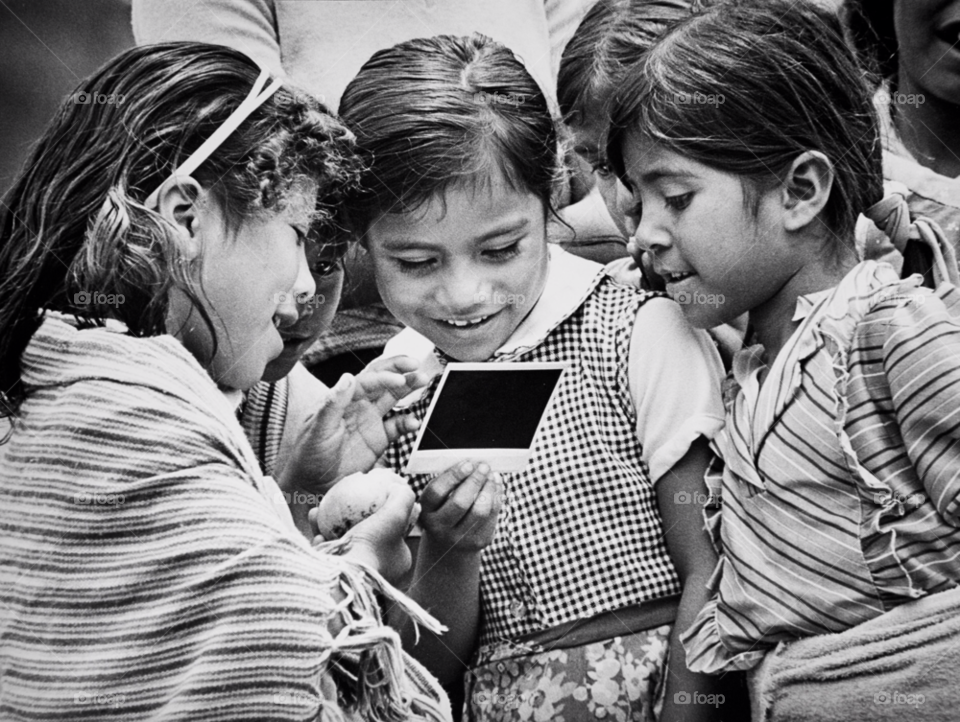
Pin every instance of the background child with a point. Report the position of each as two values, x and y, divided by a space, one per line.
907 46
840 447
613 36
149 256
596 539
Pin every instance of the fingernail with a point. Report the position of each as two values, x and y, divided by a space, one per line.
484 468
466 467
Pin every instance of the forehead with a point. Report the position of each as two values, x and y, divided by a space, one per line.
470 206
646 160
589 131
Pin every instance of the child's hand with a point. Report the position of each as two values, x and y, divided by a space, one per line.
460 508
380 540
348 433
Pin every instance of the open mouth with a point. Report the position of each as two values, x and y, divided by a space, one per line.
676 277
464 322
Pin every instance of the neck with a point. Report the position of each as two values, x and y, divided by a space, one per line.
773 321
930 130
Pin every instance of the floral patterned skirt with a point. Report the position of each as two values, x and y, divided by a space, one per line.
618 679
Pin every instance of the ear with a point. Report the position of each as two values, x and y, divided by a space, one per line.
806 189
179 201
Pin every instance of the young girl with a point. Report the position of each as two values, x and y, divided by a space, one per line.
150 256
562 607
840 447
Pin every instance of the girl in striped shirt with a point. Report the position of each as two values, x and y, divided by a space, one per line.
150 254
750 143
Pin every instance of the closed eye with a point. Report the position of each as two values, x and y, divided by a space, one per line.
678 203
504 252
414 265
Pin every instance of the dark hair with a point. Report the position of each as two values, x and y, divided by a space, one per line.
74 221
873 35
781 80
613 35
431 112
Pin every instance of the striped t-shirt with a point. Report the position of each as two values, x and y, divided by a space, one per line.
841 471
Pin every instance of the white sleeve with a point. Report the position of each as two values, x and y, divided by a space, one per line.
674 373
246 25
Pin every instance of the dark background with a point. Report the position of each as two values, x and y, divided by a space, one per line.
46 48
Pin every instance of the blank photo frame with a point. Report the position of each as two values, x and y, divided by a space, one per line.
485 412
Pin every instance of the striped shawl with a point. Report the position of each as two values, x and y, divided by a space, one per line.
149 571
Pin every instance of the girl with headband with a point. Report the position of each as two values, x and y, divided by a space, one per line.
151 254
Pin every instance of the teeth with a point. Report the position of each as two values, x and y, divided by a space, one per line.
677 276
465 322
276 322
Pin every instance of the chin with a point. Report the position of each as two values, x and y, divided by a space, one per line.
280 367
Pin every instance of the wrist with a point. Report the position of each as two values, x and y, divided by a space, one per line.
440 553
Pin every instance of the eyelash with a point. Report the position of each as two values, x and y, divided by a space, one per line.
678 203
602 169
413 266
504 253
322 270
497 255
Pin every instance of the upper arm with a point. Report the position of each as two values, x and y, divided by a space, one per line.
246 25
921 360
674 376
681 494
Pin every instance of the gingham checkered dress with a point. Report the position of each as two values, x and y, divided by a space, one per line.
580 532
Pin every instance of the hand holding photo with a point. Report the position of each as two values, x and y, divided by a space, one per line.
485 412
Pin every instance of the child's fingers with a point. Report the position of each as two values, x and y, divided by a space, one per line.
400 425
437 491
396 364
487 502
461 500
328 417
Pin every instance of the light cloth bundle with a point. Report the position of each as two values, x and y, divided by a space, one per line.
900 665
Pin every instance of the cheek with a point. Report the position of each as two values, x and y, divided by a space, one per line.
396 289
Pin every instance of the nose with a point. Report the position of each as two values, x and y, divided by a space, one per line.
465 288
650 233
298 303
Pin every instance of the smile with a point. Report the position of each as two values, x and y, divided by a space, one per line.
675 277
464 323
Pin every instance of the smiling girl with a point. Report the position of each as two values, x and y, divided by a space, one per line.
564 607
842 457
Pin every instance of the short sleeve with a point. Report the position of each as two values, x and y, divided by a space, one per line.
674 375
246 25
921 349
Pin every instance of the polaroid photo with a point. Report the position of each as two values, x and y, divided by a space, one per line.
485 412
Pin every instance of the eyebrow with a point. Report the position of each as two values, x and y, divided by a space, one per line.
655 174
586 149
414 244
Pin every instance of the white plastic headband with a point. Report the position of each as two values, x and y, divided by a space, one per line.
255 98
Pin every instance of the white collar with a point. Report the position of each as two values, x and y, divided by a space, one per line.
570 280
